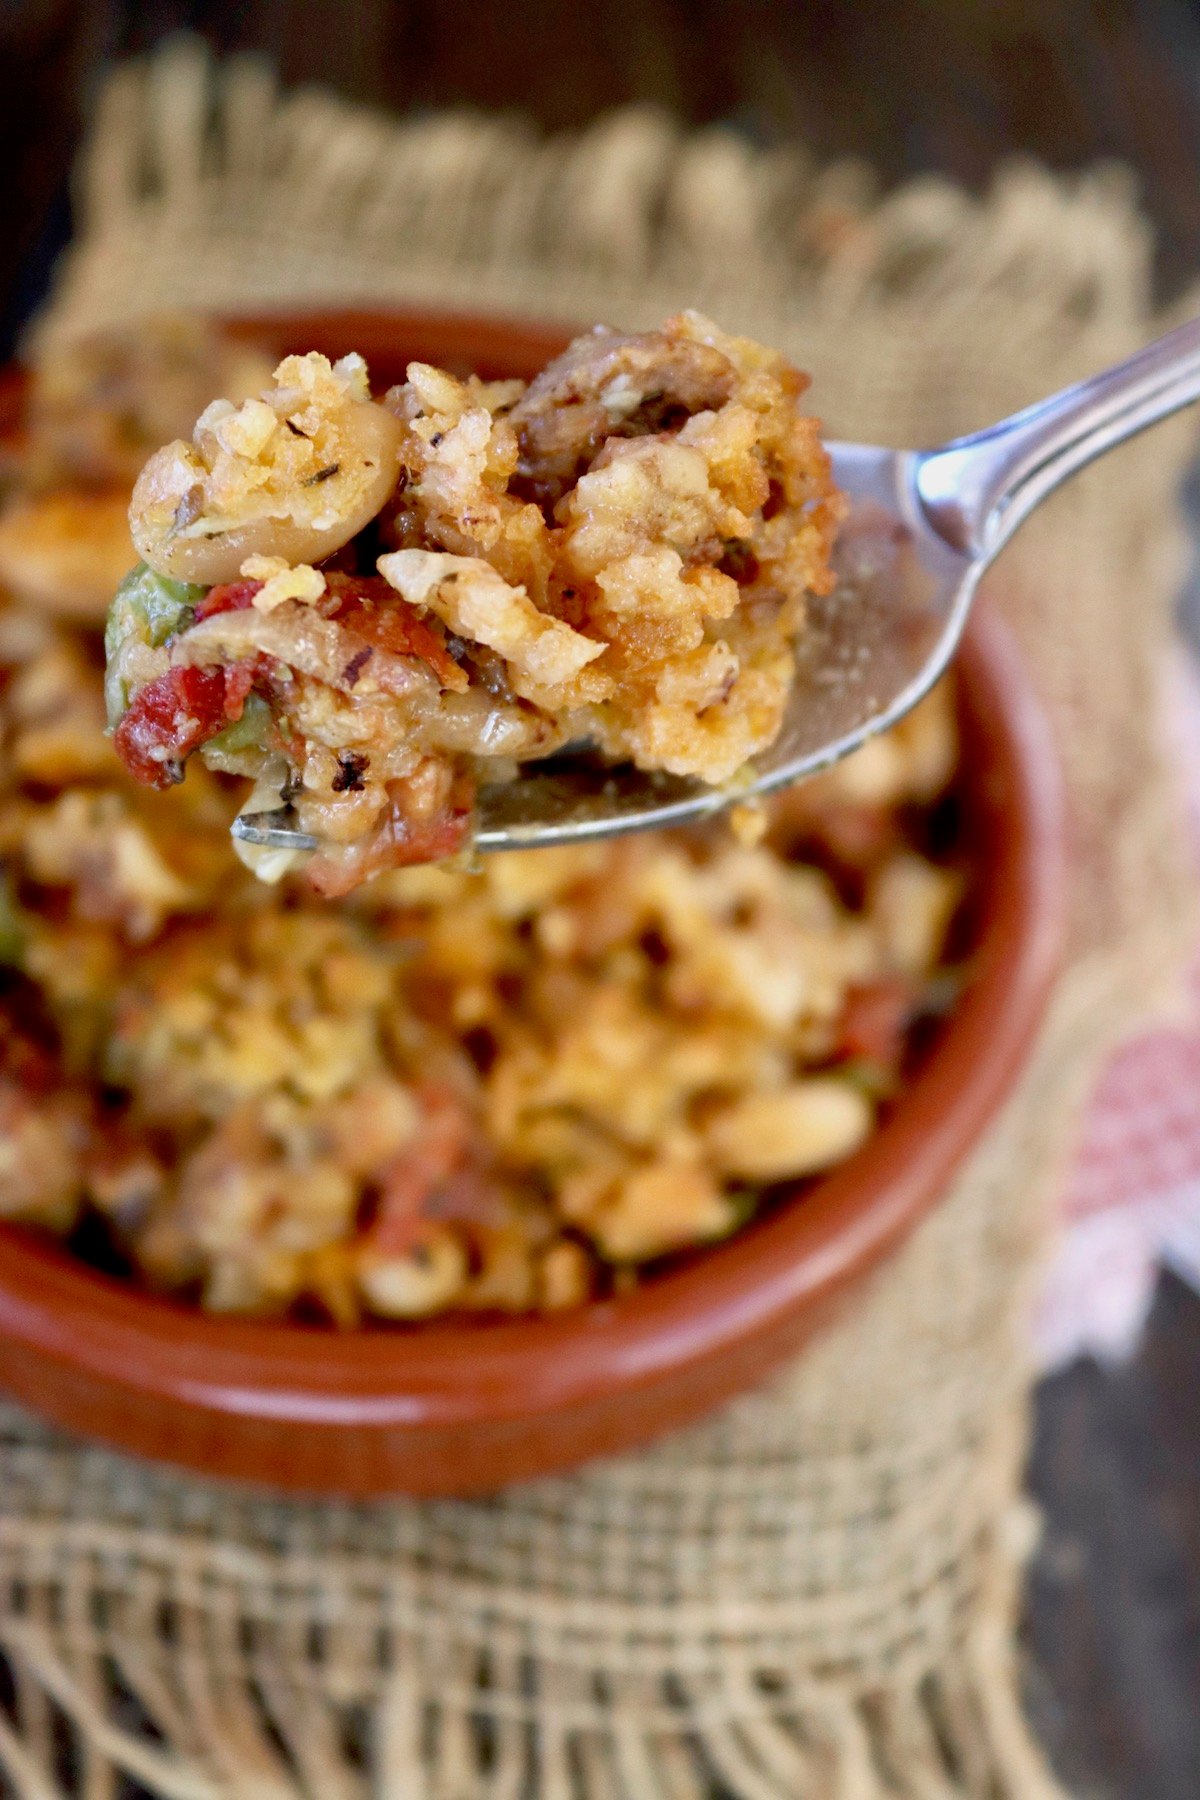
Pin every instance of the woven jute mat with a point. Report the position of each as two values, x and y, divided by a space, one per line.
815 1593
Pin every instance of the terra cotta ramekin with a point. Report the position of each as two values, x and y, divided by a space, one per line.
454 1407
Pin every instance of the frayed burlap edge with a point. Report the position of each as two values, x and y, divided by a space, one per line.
815 1593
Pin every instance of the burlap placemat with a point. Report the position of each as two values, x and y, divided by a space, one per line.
814 1594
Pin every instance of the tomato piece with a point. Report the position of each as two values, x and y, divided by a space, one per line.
423 1168
432 840
374 611
227 596
173 715
31 1065
396 845
874 1021
239 679
402 839
364 604
855 834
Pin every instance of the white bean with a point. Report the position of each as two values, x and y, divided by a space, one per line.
295 474
911 905
663 1206
794 1131
428 1278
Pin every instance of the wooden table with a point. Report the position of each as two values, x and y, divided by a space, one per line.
1113 1626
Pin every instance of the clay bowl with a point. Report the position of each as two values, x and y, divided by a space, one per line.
452 1407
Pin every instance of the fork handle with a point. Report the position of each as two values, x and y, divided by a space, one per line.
976 490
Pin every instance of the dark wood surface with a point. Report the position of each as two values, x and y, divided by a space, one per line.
1113 1625
1113 1617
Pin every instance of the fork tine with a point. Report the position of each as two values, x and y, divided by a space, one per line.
270 831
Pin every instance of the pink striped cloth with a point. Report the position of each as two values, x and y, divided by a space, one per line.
1132 1202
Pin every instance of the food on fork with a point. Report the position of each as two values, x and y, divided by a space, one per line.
367 607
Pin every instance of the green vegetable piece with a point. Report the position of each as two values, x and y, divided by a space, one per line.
744 1203
148 609
247 733
874 1080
